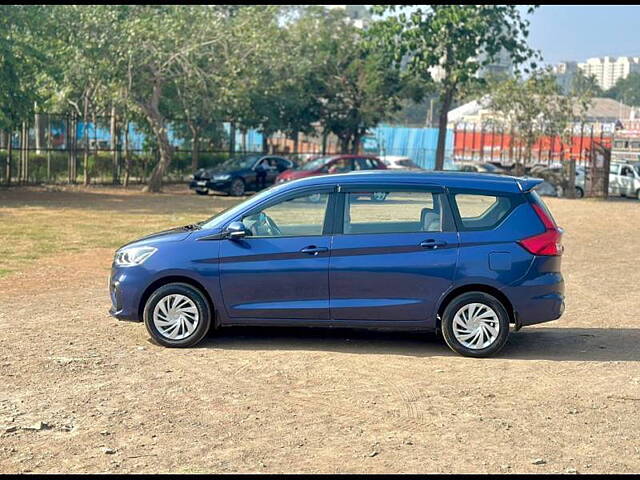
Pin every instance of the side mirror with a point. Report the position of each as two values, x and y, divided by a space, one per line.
236 231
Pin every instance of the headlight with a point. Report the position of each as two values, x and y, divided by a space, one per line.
130 257
222 177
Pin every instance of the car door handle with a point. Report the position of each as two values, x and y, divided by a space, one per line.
432 244
313 250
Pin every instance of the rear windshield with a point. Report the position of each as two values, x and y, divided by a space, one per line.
482 211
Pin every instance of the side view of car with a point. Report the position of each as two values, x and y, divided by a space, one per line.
624 180
467 255
333 164
474 167
397 162
240 174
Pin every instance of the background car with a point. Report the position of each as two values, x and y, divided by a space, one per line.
333 164
398 162
240 174
485 167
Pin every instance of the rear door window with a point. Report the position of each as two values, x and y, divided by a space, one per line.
392 211
482 211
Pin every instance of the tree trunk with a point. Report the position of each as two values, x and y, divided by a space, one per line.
296 142
195 148
9 157
157 122
25 152
114 145
85 135
265 143
49 147
232 139
571 184
39 132
443 119
344 144
325 137
127 155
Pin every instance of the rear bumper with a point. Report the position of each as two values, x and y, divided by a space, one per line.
537 300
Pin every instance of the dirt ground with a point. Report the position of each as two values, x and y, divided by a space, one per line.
82 392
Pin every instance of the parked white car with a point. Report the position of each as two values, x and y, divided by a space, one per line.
624 180
397 162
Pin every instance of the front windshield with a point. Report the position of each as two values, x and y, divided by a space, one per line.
240 162
315 164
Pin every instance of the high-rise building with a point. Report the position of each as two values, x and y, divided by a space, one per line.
565 72
608 70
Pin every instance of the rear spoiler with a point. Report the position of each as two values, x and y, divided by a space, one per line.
526 184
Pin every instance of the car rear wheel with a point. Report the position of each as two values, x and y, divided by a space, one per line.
237 188
475 324
202 191
579 192
177 315
638 194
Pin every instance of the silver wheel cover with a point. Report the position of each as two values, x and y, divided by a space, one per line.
175 316
476 326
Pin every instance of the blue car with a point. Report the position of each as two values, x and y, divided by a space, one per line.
464 254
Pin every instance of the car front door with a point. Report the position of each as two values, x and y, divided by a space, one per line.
279 270
394 258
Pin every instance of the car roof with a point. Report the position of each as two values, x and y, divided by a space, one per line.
451 179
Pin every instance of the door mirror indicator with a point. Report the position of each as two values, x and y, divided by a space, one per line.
236 231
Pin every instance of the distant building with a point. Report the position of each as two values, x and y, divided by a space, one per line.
601 110
358 15
501 65
608 70
565 72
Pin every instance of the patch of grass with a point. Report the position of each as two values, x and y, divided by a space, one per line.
36 224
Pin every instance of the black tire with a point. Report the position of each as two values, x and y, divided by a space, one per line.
237 187
204 314
475 297
202 192
579 192
638 194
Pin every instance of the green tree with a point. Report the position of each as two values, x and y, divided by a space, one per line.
456 41
626 90
534 106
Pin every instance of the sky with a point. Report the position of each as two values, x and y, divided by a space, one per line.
578 32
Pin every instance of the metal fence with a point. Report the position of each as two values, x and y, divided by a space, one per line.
484 143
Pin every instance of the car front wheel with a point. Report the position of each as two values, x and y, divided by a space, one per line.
237 188
579 192
475 324
202 191
177 315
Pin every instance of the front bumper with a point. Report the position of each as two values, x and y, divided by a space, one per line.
217 185
126 288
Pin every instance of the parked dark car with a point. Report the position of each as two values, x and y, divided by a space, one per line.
240 174
464 254
333 164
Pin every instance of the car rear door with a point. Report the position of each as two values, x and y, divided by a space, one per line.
391 260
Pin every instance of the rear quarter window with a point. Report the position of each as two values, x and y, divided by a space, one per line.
483 211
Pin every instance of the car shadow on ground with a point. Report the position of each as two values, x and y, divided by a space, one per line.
539 343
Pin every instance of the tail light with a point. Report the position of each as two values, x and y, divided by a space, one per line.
547 243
